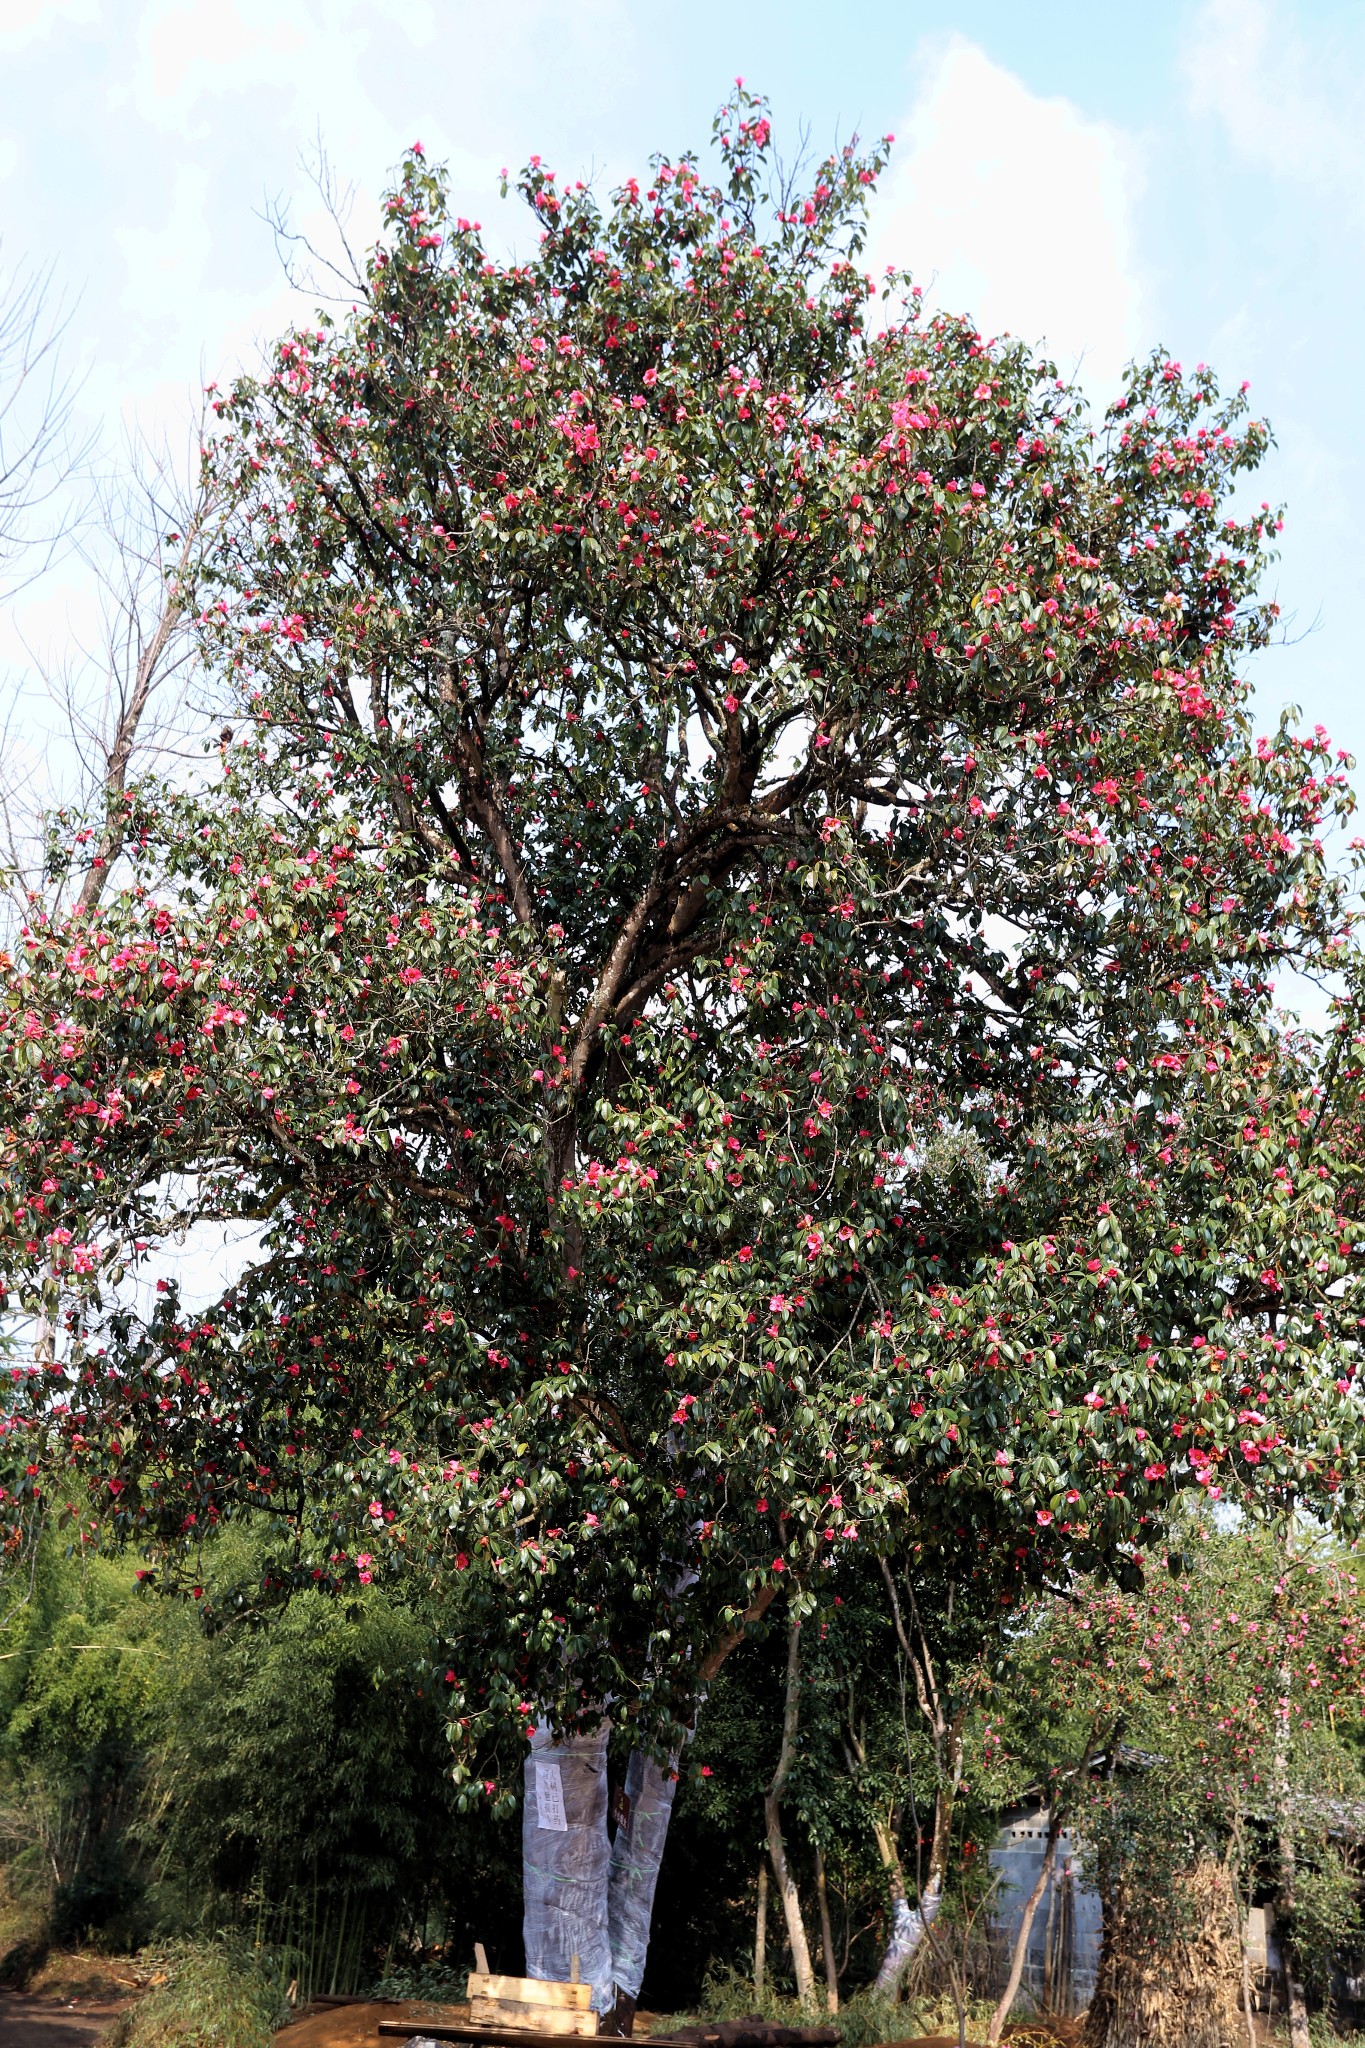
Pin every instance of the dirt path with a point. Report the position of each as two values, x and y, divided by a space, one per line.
346 2026
38 2023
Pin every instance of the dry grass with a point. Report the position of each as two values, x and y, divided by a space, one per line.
1180 1987
90 1979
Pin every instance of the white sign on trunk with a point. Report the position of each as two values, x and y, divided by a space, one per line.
550 1798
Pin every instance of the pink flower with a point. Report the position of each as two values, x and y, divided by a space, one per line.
1043 1517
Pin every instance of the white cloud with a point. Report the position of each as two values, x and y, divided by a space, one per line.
1295 110
24 21
194 46
1018 210
192 53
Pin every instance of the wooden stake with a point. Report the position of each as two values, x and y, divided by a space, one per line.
481 1959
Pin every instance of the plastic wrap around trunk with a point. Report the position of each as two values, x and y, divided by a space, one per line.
636 1855
583 1895
909 1925
566 1860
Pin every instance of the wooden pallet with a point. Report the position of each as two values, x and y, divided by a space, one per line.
518 2010
529 2005
522 2011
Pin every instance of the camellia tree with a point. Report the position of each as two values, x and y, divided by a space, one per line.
725 964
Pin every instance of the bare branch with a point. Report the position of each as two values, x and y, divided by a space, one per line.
307 267
118 697
153 656
38 449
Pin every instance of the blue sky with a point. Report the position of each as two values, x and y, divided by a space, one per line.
1101 177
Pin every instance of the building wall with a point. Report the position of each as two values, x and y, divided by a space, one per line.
1068 1924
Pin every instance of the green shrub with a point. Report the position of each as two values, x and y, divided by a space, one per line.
1326 1916
429 1983
216 1997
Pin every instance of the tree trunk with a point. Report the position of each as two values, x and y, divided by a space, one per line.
826 1935
1021 1939
902 1939
1248 2004
581 1893
910 1926
1294 2003
761 1931
884 1833
772 1810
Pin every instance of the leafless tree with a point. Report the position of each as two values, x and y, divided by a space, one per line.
40 449
115 699
317 273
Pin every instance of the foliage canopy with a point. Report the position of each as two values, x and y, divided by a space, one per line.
728 963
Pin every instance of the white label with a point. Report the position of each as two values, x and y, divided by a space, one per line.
550 1798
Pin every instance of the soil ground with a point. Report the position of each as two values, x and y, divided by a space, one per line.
341 2026
27 2022
356 2026
75 1997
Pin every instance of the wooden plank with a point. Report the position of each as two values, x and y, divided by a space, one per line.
527 1990
465 2030
544 2019
515 2012
530 1991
